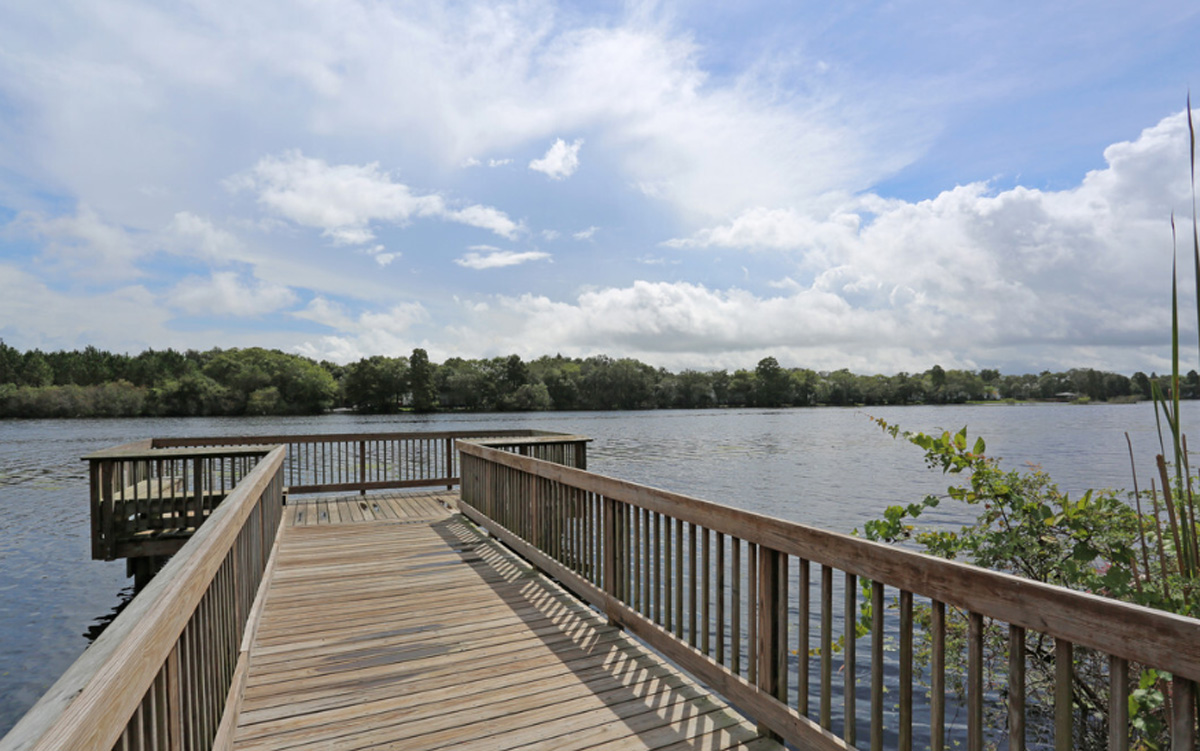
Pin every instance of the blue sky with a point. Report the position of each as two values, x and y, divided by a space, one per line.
879 186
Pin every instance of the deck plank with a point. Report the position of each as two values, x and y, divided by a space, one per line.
401 625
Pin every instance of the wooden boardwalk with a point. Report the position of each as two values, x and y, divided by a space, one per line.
392 622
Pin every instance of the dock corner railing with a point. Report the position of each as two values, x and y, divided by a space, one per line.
160 675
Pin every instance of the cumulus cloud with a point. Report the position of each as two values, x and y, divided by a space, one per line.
586 234
560 161
343 200
200 235
361 334
494 258
226 294
970 278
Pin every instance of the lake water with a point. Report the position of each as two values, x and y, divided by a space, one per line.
828 467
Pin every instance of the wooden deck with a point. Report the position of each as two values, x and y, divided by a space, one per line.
392 622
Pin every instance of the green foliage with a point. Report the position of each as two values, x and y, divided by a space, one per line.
1026 526
376 384
383 384
421 382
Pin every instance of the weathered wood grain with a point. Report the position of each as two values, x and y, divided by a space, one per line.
416 631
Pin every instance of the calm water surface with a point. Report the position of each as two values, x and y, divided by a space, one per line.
828 467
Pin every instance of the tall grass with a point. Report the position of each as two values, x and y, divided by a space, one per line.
1177 546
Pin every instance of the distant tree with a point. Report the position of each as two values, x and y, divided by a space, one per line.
989 375
741 388
10 364
465 384
35 371
421 381
772 384
376 384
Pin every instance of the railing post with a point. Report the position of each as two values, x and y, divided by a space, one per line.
362 467
450 464
770 678
609 551
1183 714
535 516
198 494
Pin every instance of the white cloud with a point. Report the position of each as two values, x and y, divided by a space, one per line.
343 200
499 162
550 234
486 217
586 234
85 244
225 294
494 258
560 160
200 235
969 278
34 315
367 333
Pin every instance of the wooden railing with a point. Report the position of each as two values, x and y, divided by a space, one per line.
764 611
146 502
161 674
330 463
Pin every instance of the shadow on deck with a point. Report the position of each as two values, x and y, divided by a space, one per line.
392 622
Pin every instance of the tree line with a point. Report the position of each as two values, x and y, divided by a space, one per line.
256 381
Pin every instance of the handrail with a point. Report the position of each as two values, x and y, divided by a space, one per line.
157 678
341 462
710 587
145 502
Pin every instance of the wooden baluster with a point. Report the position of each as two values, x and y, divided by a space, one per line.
826 647
659 583
668 572
906 670
848 671
1064 711
974 682
804 637
937 677
720 595
1183 714
679 579
1118 704
877 666
751 612
1016 688
705 588
692 586
735 606
649 545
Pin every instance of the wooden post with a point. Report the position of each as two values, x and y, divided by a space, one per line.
1064 710
450 464
609 552
769 679
362 467
1183 714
